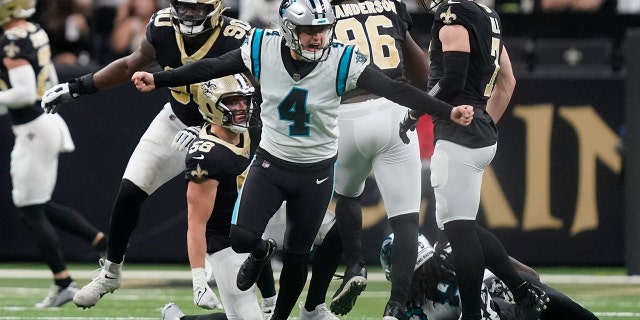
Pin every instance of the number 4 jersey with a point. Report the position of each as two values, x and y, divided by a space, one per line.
299 111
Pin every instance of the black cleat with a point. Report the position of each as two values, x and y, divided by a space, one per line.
532 305
251 268
394 311
353 283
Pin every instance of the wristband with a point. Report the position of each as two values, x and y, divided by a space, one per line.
82 85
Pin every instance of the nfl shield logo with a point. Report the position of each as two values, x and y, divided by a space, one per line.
266 164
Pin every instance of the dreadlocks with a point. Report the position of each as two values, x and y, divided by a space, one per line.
438 269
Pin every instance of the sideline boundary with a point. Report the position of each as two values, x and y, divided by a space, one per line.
374 276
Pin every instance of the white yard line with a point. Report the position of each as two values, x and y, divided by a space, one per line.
374 276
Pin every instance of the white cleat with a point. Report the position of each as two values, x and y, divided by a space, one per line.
108 280
268 306
320 313
170 311
58 296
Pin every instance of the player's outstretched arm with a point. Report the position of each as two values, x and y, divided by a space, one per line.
115 73
376 82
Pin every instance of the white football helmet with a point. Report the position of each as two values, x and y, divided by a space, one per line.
16 9
193 17
295 14
211 98
425 251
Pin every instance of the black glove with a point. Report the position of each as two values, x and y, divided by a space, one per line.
409 123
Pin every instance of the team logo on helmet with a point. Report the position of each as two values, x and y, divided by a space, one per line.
311 16
211 101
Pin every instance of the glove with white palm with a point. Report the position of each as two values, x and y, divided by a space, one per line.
55 97
203 296
184 137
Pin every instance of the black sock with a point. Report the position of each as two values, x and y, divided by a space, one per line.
498 262
70 221
292 280
45 236
405 230
124 219
63 283
469 262
265 283
349 222
326 258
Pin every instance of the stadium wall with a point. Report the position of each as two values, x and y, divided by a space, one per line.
554 193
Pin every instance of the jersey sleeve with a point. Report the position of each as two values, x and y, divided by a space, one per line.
201 165
251 49
456 13
352 63
17 45
157 24
404 14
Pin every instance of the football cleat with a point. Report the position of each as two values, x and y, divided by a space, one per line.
108 280
170 311
319 313
268 306
251 268
353 283
530 308
394 311
58 296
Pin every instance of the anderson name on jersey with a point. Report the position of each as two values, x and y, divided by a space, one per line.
378 28
210 157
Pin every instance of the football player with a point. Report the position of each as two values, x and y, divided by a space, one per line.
302 73
470 65
26 72
187 31
368 140
216 162
216 165
435 294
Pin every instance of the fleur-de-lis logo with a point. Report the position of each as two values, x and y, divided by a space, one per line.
198 173
11 50
448 17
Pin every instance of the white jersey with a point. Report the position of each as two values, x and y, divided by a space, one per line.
299 116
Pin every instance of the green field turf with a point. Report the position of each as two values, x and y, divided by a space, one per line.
143 298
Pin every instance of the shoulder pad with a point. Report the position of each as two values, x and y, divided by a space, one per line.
455 12
16 33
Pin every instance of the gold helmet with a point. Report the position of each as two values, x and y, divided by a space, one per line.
214 93
16 9
193 17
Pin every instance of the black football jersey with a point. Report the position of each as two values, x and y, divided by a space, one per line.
210 157
483 25
170 54
29 42
379 29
